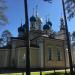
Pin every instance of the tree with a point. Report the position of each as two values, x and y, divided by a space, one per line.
3 18
50 1
70 8
73 36
27 39
6 37
1 43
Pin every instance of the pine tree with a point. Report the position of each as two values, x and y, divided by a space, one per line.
3 18
6 35
50 1
70 8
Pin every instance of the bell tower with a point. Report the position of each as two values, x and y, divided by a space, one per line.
62 32
62 26
32 22
47 28
20 31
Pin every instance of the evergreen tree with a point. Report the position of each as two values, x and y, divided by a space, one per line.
73 38
3 18
1 43
50 1
70 8
6 35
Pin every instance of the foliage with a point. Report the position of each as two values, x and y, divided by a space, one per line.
6 37
73 36
50 1
70 8
3 18
6 33
1 43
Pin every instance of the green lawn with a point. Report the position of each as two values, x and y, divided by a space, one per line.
58 72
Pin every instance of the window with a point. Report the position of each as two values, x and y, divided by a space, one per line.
49 54
58 54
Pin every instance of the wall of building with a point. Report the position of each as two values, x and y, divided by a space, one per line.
4 57
73 55
54 44
34 57
38 56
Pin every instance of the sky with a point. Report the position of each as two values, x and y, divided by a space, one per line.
16 14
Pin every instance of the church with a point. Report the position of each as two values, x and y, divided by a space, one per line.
47 48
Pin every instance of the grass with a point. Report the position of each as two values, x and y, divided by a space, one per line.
36 73
57 72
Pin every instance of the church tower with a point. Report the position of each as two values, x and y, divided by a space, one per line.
62 26
32 22
35 21
62 33
38 20
47 28
20 31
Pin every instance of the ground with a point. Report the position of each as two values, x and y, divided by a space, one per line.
61 72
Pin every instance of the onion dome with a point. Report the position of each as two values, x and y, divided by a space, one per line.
20 28
46 27
49 23
62 21
32 19
24 27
